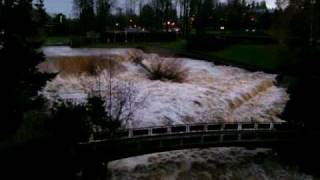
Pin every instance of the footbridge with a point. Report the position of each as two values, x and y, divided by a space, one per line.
132 142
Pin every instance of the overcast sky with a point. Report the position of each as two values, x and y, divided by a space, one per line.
65 6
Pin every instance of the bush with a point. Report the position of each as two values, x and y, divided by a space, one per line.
33 127
70 123
83 120
168 70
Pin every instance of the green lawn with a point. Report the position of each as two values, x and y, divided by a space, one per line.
270 57
57 40
264 57
180 44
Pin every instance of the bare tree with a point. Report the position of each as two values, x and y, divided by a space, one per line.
130 6
120 98
281 4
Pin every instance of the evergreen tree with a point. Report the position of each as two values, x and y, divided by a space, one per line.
84 10
103 14
205 16
20 42
147 16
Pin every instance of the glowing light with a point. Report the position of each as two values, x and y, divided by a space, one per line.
222 28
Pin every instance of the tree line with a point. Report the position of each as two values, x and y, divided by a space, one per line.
165 15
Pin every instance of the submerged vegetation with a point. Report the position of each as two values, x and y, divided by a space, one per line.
168 70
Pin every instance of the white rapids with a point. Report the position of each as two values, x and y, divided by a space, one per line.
210 92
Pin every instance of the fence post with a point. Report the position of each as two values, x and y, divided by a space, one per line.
206 128
271 126
130 133
221 138
187 128
169 130
222 127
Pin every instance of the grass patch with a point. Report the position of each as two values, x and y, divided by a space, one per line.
271 57
175 45
261 57
57 40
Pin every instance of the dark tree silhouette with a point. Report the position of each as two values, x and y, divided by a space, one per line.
147 16
103 8
205 16
20 42
84 10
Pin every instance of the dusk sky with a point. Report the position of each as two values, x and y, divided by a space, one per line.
65 6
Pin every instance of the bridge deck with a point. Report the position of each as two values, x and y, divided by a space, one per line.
157 139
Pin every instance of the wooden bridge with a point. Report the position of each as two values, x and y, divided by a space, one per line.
132 142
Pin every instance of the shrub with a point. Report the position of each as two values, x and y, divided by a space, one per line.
83 120
168 70
69 123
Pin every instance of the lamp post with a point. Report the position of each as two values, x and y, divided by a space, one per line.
167 25
312 3
116 25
